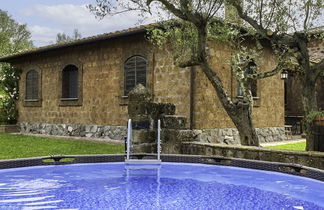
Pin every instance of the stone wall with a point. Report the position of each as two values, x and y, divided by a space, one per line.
316 50
103 102
231 136
294 106
268 110
227 136
79 130
311 159
172 139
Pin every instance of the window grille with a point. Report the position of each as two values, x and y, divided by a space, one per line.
135 72
32 85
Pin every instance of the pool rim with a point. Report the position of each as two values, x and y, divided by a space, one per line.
287 168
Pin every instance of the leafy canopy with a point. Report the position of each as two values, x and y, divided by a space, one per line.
13 36
60 38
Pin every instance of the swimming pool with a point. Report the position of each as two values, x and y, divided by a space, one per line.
169 186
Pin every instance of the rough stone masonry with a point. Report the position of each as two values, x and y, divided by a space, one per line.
145 113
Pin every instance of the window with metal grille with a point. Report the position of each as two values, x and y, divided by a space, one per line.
252 84
32 85
70 82
135 72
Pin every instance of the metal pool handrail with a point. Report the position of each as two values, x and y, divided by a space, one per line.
129 145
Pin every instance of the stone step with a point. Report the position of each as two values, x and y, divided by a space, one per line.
165 108
144 148
143 136
173 122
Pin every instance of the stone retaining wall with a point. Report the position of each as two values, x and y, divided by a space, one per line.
95 131
227 136
9 129
311 159
231 136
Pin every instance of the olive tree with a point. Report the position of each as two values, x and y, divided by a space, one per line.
289 25
197 24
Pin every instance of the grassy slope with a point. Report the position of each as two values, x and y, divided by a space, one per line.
296 146
21 146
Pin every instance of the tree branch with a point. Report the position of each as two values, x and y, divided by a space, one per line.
284 63
247 18
170 7
307 11
263 75
189 63
278 39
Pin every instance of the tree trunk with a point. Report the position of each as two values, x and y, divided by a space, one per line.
308 79
309 105
242 119
241 113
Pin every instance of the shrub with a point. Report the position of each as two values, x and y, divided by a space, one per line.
8 111
9 77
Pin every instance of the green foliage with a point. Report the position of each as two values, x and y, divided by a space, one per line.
181 35
241 62
9 77
220 31
60 38
13 36
317 34
309 118
282 16
22 146
8 111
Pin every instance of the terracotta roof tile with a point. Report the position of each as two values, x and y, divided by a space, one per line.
85 40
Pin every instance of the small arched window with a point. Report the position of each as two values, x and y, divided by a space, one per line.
252 84
32 85
135 72
70 82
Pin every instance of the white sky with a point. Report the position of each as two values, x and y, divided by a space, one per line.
46 18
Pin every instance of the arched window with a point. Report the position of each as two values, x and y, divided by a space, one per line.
135 72
32 85
252 84
70 82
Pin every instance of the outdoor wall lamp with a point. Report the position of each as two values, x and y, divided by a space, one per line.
284 75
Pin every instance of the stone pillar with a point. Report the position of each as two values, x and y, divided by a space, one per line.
139 110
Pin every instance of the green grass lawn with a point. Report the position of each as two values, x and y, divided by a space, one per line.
22 146
296 146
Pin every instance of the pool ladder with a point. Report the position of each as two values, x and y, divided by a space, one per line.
143 161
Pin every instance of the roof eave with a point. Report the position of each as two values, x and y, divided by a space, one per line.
70 44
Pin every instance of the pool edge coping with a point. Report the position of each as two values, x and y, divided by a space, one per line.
287 168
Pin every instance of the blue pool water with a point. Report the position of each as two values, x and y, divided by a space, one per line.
172 186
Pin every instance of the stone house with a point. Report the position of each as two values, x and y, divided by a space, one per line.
294 112
80 88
